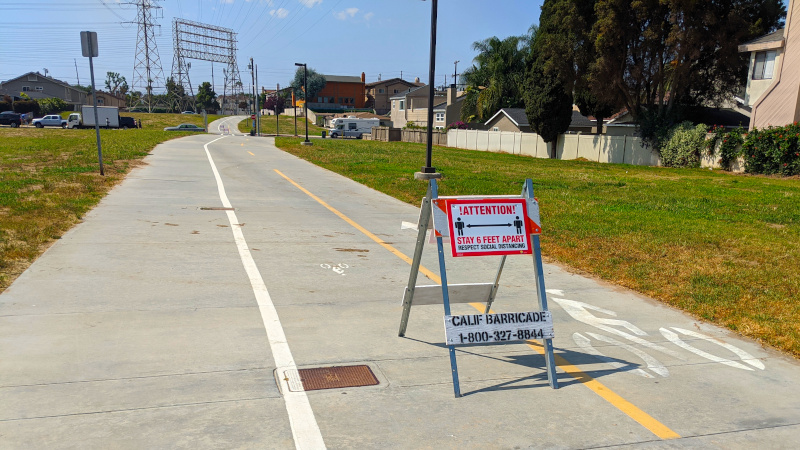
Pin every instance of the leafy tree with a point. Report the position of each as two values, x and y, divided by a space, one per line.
116 83
52 105
314 82
176 97
206 97
654 56
132 98
275 103
494 80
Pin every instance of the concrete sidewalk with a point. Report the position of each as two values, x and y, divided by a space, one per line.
141 328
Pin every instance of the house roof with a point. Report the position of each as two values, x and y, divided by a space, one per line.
516 115
342 79
403 94
767 42
442 106
520 119
579 120
717 116
67 85
390 81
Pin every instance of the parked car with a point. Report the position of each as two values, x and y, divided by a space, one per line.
188 112
52 120
127 122
185 127
10 118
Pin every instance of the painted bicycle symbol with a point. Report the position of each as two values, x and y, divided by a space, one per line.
584 312
338 268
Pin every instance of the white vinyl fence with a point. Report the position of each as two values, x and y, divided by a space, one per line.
600 148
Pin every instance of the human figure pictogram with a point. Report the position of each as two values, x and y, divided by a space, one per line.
459 226
518 223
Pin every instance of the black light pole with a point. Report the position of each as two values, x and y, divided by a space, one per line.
429 169
305 99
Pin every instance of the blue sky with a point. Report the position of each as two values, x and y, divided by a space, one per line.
336 37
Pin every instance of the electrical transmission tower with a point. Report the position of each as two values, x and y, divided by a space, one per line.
147 72
194 40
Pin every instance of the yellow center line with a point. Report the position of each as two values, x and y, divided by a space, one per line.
251 153
628 408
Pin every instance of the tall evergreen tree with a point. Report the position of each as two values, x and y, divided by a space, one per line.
568 52
547 97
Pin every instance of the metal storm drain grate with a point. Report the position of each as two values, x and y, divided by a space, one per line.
329 378
215 208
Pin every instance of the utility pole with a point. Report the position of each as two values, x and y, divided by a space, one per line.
76 71
455 75
258 105
277 120
253 77
224 89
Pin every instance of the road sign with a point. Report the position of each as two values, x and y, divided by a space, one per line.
499 327
488 226
89 44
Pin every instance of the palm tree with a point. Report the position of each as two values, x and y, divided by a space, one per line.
494 80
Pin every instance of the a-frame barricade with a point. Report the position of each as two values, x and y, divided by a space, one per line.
480 237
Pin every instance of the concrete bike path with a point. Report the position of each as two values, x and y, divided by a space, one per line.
142 327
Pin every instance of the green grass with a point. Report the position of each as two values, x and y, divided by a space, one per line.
723 247
268 126
49 178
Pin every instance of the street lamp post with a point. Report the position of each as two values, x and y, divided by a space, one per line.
429 171
305 99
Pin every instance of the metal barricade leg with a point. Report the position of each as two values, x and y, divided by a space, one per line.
408 296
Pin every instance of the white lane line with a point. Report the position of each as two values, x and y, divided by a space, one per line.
305 430
225 122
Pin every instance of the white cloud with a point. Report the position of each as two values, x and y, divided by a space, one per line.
369 15
310 3
280 13
343 15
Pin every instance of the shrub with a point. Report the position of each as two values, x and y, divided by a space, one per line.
52 105
458 125
26 106
683 147
774 150
730 145
410 125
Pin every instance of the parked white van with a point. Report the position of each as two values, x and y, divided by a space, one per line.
352 127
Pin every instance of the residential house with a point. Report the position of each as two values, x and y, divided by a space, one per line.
412 106
380 92
515 119
38 86
340 92
773 83
107 99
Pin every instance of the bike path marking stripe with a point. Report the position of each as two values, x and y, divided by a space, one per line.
305 429
644 419
628 408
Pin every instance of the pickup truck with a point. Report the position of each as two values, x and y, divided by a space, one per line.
53 120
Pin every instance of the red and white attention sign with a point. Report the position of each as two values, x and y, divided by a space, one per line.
480 227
